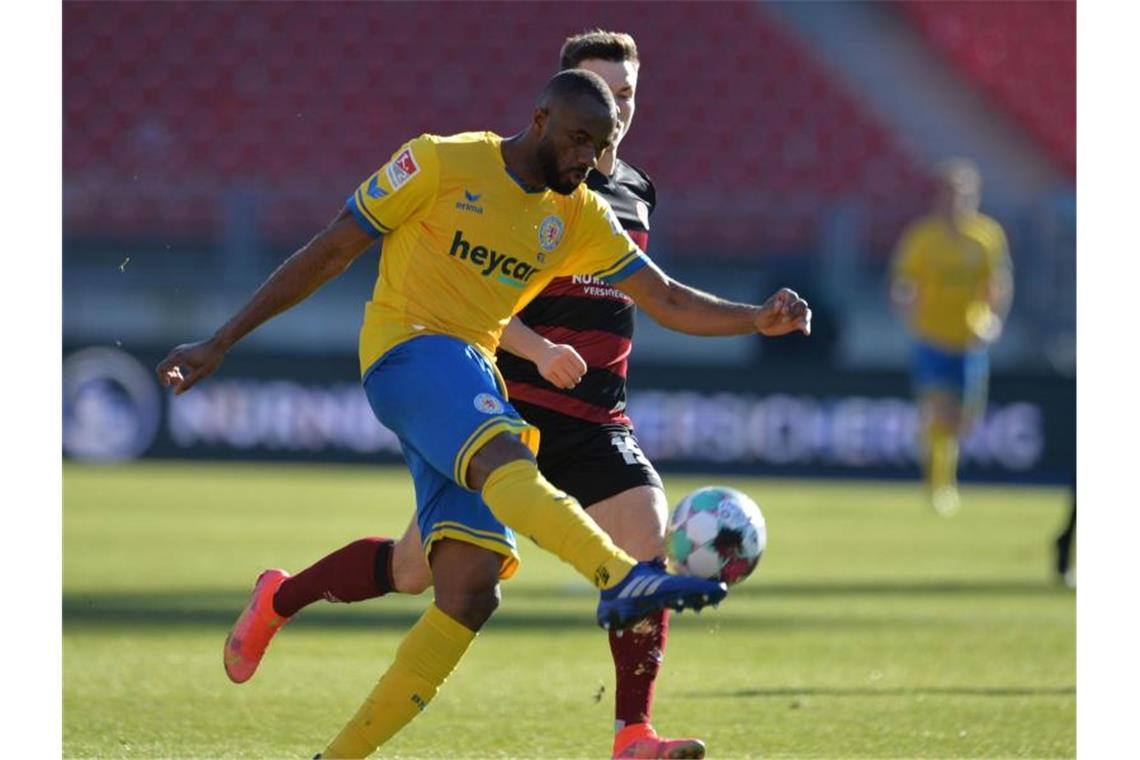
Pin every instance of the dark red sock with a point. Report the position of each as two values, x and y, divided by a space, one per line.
638 653
362 570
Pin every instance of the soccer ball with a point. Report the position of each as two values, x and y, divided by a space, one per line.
716 533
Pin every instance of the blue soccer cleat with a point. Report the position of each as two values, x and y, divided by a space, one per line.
649 588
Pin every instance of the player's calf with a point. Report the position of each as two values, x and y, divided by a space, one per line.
409 569
354 573
520 497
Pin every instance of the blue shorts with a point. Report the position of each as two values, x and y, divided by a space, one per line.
444 400
964 374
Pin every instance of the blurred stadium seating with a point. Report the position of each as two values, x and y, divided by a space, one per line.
295 102
1023 53
203 141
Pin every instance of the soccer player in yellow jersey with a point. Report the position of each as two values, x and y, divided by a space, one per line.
474 226
589 449
952 284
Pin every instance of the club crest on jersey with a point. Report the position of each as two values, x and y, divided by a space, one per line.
402 168
488 404
550 232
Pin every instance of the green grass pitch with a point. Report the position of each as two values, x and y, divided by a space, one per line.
872 628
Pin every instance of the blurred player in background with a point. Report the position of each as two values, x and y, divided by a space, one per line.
952 284
474 227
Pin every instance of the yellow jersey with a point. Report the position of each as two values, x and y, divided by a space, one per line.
951 274
466 245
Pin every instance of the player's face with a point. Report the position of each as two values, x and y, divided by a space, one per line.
955 197
621 76
572 137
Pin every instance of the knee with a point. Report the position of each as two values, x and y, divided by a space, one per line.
654 516
482 604
472 607
635 520
500 450
941 416
466 581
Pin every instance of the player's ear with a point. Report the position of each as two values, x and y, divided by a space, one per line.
540 119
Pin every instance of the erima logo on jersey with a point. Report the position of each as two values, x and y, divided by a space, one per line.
507 269
374 190
469 204
402 168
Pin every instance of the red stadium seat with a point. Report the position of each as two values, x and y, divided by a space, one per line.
1023 54
306 99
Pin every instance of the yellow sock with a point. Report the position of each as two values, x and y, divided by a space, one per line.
943 467
519 496
946 461
424 660
928 453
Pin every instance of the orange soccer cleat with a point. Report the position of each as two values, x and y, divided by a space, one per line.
247 640
640 740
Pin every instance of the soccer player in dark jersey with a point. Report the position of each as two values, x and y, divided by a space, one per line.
567 376
633 512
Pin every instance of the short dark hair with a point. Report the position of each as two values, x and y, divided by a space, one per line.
598 43
570 85
959 171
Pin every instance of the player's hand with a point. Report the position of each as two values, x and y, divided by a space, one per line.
561 366
983 323
783 313
993 330
187 364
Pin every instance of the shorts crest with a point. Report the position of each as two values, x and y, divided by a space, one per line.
488 404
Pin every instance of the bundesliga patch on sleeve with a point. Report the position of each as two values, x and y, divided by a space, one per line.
402 168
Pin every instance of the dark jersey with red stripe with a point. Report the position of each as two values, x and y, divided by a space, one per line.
593 317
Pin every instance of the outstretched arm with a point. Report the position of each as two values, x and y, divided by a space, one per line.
688 310
322 258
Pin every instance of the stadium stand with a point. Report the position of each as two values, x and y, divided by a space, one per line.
171 128
1024 54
